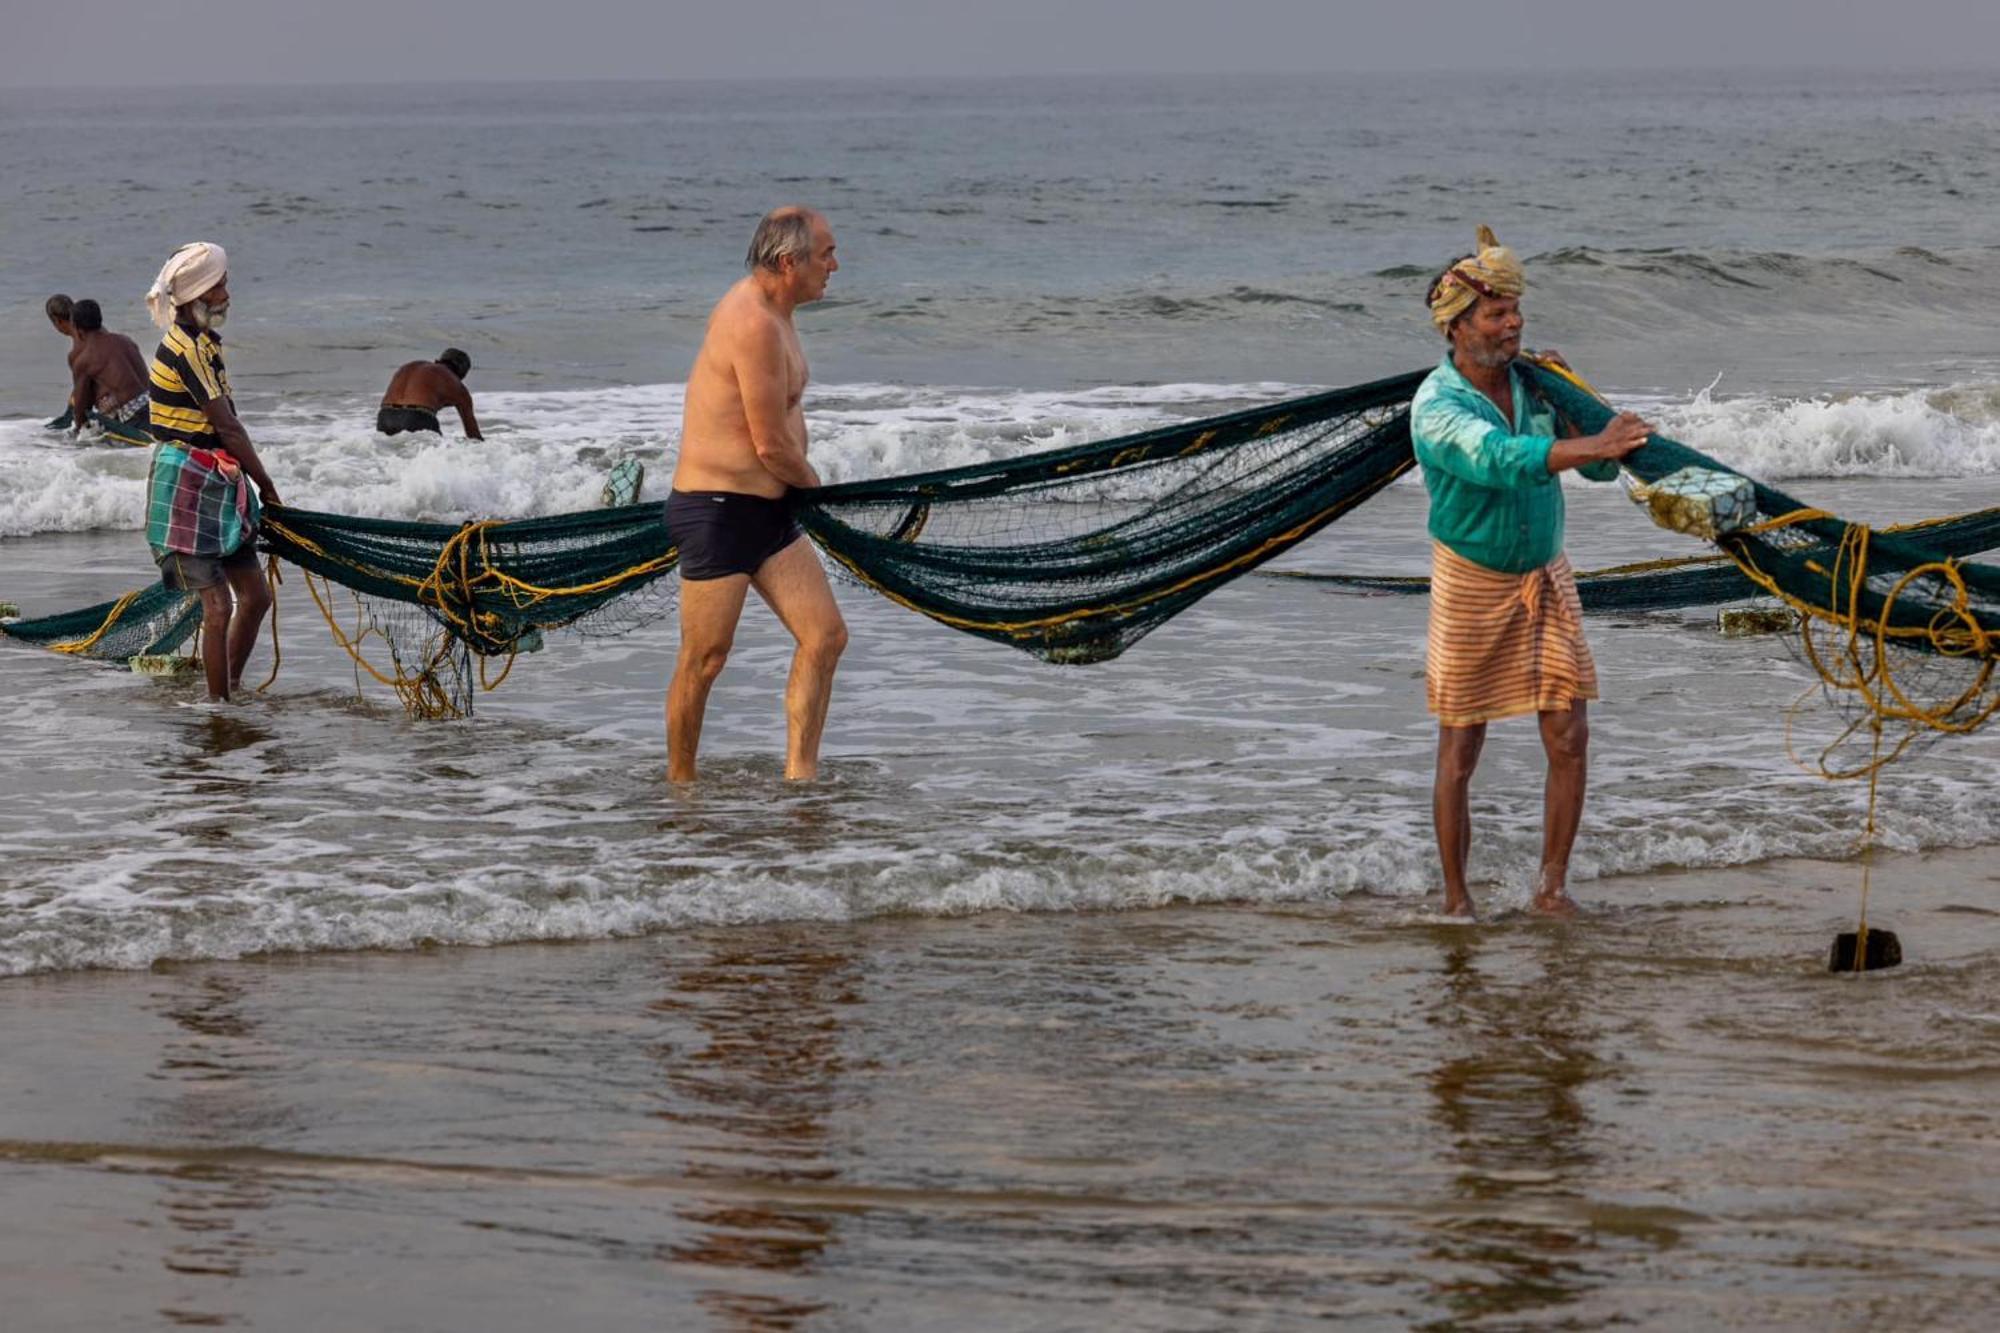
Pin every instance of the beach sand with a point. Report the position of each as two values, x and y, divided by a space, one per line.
1668 1114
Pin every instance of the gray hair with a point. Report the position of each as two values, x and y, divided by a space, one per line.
783 233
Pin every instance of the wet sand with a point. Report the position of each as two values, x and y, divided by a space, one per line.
1666 1115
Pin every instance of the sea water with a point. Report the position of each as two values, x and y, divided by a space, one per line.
1792 274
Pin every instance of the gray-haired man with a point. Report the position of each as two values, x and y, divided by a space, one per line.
743 448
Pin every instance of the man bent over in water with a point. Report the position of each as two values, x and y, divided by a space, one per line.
108 374
743 448
419 388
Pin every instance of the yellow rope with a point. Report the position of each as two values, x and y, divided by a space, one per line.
1862 664
271 580
464 569
1868 850
84 645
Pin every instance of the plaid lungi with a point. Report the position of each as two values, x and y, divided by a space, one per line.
198 502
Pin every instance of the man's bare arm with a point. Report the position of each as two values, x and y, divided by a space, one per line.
462 400
230 433
82 394
762 382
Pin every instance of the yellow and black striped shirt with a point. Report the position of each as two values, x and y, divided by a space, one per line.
187 374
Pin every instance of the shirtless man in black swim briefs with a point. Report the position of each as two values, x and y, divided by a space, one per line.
743 448
419 388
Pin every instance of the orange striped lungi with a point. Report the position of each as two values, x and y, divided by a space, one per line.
1504 644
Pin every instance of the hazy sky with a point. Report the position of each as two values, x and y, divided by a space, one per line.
81 42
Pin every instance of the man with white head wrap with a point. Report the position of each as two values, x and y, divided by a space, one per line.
189 274
201 514
1506 637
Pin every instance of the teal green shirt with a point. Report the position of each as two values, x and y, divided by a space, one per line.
1493 499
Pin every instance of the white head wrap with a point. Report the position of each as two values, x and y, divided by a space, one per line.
195 267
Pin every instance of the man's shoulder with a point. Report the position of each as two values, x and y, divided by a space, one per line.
439 379
180 340
1444 381
744 321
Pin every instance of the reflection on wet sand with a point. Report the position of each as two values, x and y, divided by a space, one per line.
213 1098
1511 1098
754 1103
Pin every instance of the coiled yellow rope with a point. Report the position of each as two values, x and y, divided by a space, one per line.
1862 664
465 568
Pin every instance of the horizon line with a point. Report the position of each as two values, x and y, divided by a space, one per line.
1371 72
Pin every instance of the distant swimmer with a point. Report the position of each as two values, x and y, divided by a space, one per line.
743 450
419 388
108 373
1506 627
201 514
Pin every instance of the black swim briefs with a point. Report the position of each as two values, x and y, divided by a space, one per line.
720 533
396 420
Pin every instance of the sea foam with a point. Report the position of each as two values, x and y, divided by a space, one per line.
546 452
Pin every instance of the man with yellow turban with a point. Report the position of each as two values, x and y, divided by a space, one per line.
1506 629
201 514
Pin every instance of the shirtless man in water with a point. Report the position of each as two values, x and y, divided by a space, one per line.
108 373
743 450
419 388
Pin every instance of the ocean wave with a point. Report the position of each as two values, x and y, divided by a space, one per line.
1925 433
546 452
332 899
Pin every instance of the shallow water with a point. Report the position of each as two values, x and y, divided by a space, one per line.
899 1049
1668 1115
1270 745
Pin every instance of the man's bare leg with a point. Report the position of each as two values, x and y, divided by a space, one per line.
710 609
1451 811
795 587
215 607
253 600
1566 741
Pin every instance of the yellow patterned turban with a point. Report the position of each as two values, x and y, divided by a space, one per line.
1494 271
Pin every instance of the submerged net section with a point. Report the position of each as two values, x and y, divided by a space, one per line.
1075 554
149 622
1684 581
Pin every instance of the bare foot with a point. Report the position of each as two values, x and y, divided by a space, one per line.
1557 904
1460 908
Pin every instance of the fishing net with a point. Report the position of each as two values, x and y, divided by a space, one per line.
1903 634
1075 554
1678 582
150 621
435 609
